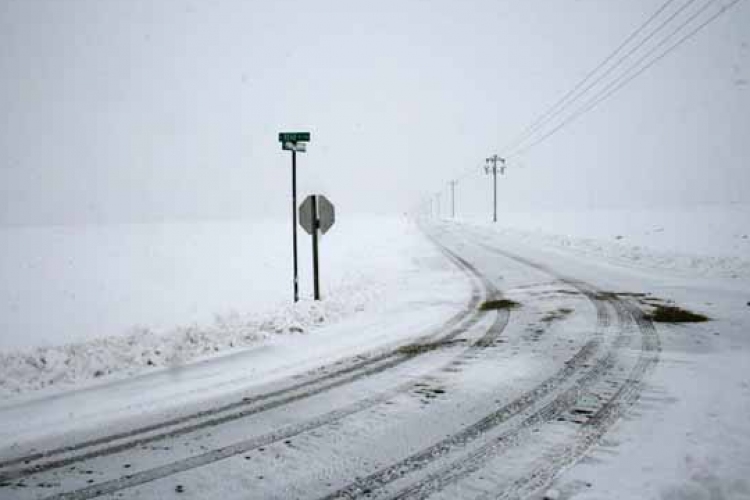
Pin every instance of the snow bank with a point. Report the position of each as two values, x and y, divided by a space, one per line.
144 348
708 240
83 303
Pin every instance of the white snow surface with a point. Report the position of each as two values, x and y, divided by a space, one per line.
83 302
703 240
687 438
102 302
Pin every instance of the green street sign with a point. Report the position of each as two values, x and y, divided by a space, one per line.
294 136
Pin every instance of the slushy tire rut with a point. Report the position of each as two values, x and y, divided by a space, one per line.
580 363
593 425
353 369
455 326
605 366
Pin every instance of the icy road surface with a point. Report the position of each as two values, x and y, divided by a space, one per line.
567 391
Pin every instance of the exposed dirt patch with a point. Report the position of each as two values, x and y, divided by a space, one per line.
427 393
556 315
662 311
493 305
653 300
617 295
414 349
674 314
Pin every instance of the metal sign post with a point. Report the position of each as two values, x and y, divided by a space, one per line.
315 225
316 213
294 141
294 223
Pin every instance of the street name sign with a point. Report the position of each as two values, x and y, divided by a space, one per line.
285 137
299 147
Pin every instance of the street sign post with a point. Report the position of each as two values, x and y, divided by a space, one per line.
316 213
294 142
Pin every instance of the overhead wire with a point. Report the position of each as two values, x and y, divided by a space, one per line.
625 77
545 117
566 100
633 71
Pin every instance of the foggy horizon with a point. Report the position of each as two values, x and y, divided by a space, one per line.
148 112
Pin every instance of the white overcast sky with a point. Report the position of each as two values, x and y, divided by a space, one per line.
142 110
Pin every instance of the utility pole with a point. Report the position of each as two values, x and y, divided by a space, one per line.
493 169
437 198
453 199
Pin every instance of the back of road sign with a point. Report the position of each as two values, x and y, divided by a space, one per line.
326 214
306 215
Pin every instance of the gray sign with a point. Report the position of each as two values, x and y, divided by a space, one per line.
326 214
306 215
299 147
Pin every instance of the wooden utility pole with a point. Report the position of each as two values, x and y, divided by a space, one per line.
493 160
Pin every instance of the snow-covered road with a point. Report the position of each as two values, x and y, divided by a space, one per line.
444 399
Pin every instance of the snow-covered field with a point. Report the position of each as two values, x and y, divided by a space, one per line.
84 302
703 240
90 306
89 302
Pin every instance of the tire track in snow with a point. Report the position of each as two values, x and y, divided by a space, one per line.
354 369
370 486
472 312
537 477
592 430
593 426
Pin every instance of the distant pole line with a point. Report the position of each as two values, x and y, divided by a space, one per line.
453 199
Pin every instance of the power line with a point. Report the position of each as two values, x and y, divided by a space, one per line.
565 101
622 59
626 77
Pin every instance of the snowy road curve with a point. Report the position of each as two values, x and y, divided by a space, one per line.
491 404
